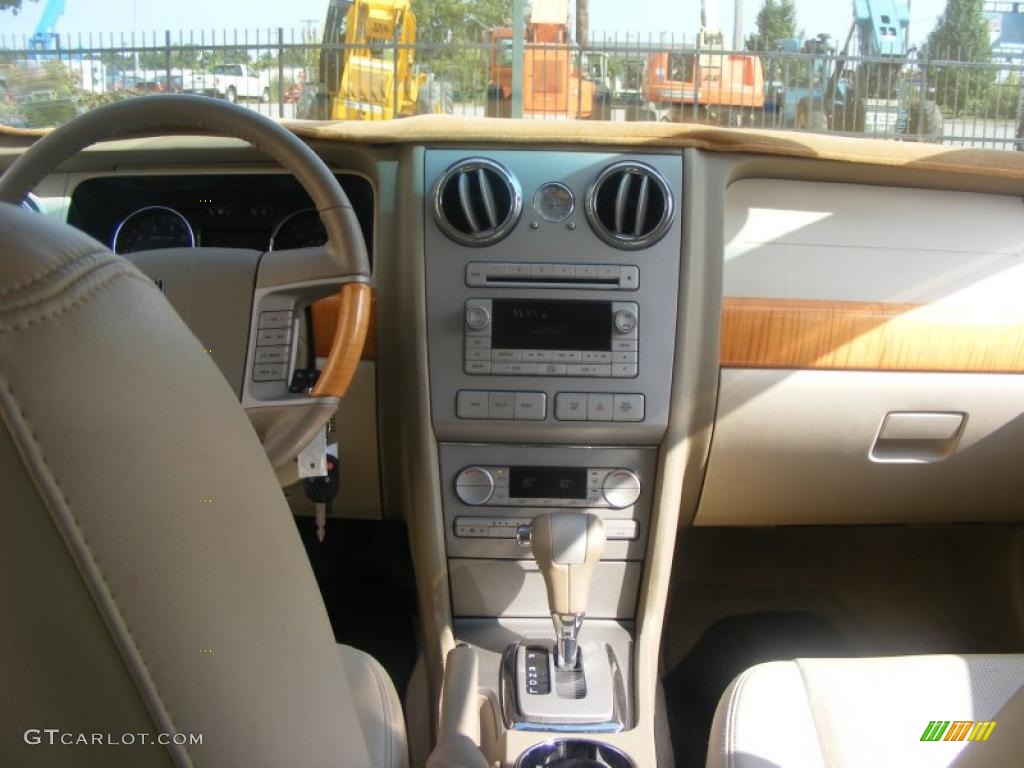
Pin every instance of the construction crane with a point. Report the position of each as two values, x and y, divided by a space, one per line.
45 38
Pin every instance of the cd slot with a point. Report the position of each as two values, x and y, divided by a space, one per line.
609 277
554 282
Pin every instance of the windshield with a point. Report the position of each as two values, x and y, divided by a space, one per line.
944 75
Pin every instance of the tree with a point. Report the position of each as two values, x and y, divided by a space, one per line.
961 35
775 21
13 5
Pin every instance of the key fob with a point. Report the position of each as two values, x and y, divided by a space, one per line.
322 490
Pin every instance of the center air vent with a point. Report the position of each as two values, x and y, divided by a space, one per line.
629 205
477 202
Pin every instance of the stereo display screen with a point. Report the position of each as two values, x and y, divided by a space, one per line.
568 325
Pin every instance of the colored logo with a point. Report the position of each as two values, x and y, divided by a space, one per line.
958 730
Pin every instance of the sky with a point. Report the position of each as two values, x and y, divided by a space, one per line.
612 17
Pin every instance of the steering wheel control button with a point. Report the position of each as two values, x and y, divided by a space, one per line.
271 337
269 372
471 404
272 354
628 408
279 319
474 486
621 488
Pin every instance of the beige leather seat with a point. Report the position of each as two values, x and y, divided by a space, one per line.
151 578
870 713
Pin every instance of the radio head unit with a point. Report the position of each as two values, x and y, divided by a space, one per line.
547 337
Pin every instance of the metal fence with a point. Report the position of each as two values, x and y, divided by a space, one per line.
294 73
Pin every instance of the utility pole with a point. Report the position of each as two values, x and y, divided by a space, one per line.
518 54
737 26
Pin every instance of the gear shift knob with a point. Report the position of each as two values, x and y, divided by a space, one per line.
567 546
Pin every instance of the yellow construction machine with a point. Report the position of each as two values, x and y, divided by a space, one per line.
368 64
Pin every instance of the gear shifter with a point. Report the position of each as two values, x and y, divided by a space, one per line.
567 546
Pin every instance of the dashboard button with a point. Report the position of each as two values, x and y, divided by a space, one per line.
518 270
282 319
478 354
530 406
514 369
478 366
501 405
599 407
585 271
507 355
624 357
269 372
621 488
630 278
537 356
571 406
551 369
628 408
568 356
471 404
272 354
273 336
597 357
625 345
624 370
587 369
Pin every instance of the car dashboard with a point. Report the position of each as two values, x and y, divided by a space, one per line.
667 332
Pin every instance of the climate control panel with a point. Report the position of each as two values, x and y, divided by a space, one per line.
574 487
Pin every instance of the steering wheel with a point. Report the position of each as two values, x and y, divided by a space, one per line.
278 284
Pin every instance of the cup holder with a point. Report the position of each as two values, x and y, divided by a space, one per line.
573 753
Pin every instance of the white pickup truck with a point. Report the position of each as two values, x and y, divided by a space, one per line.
233 82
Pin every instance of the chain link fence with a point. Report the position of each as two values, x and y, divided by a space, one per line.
297 74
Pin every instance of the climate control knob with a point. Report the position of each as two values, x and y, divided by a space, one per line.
478 318
474 486
621 488
625 321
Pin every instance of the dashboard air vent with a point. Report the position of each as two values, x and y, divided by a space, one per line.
477 202
629 206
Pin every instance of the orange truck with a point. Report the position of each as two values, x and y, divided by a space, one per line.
725 87
553 86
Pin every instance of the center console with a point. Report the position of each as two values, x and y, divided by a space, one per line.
551 289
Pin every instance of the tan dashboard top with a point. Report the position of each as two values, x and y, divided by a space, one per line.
447 129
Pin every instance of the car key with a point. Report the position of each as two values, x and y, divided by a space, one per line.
321 491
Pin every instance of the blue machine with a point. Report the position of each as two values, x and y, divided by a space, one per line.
45 38
882 27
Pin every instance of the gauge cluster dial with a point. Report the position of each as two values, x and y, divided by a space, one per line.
152 228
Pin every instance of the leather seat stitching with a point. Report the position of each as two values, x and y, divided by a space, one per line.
116 270
730 718
49 479
69 274
814 710
386 709
39 276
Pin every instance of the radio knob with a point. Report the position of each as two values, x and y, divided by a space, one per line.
478 318
625 320
474 486
621 488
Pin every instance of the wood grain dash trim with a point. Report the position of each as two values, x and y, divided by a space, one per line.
869 336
